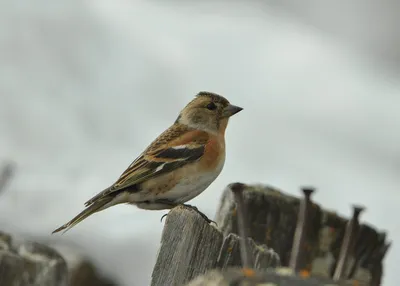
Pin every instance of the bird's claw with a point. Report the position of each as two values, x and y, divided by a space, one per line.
196 210
163 217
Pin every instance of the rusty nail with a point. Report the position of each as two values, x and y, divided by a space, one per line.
243 225
308 191
348 243
296 256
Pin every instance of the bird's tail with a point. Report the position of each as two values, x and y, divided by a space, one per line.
96 206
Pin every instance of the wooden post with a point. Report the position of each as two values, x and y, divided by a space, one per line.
273 217
190 247
192 250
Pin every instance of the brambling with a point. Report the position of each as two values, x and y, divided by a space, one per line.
177 166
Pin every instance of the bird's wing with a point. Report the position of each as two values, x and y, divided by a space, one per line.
174 148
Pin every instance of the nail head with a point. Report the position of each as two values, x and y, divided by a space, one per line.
307 191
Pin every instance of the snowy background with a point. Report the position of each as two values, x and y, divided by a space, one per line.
86 85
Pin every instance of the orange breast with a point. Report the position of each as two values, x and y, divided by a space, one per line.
214 153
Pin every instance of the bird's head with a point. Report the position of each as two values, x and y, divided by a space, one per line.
208 111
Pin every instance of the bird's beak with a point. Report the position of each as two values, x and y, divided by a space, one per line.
231 110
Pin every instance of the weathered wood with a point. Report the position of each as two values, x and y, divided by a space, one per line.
261 256
30 264
273 218
270 277
189 247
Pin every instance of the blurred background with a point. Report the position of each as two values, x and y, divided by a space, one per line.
86 85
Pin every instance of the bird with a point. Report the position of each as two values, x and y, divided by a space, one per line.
177 166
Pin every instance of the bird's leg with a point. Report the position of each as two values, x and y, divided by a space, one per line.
172 204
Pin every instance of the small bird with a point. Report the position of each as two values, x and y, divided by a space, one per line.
177 166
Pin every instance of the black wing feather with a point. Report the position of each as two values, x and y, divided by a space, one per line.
186 153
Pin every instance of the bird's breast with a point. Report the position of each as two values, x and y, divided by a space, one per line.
183 184
214 155
190 186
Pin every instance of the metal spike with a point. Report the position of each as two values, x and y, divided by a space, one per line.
243 224
348 243
297 254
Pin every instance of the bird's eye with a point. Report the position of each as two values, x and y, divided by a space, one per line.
211 106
